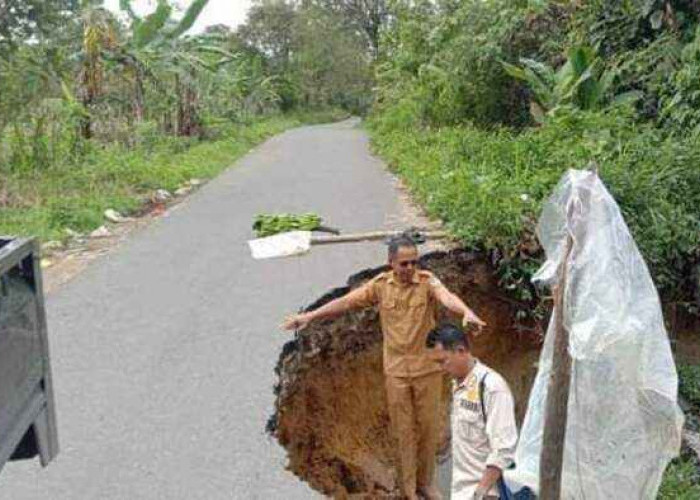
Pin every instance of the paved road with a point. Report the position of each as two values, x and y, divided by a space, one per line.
164 349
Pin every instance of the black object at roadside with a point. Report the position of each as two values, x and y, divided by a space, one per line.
27 410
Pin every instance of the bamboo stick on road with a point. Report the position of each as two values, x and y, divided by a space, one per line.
372 236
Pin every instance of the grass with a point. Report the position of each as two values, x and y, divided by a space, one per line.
489 185
46 202
689 384
681 480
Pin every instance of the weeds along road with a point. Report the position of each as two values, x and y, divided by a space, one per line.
163 351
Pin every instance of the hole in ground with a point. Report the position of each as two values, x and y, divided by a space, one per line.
331 412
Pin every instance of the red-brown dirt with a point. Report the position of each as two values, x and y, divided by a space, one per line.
331 414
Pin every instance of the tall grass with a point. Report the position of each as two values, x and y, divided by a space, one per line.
73 195
489 185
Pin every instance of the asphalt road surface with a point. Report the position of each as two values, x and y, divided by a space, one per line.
163 350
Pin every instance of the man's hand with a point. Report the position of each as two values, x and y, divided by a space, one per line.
296 322
334 308
471 318
453 303
480 493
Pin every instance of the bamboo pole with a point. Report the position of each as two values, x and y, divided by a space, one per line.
372 236
556 411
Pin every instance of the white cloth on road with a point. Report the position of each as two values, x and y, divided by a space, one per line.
281 245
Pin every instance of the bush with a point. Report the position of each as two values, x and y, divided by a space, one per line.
681 99
75 194
647 70
681 480
489 186
444 63
689 384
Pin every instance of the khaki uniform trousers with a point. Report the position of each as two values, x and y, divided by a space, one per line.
414 410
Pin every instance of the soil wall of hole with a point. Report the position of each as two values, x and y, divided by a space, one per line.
331 413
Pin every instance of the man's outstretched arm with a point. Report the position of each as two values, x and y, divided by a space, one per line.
455 304
360 297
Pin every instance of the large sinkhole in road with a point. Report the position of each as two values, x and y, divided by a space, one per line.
331 411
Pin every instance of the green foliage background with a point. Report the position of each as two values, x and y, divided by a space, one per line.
611 82
98 108
459 128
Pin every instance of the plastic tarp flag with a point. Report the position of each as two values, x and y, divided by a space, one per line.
281 245
624 423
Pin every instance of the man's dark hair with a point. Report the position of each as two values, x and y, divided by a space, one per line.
449 336
400 241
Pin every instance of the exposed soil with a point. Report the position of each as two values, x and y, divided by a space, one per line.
331 411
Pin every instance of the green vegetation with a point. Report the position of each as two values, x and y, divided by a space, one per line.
482 131
689 384
75 197
488 185
681 480
581 82
99 108
269 224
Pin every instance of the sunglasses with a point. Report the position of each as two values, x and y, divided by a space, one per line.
407 263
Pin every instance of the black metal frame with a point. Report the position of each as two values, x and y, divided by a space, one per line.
33 431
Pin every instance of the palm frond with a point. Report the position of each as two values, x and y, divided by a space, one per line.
188 20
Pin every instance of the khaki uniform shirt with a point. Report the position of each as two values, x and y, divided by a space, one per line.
407 313
477 444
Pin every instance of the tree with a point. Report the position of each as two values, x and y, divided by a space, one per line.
336 72
269 29
22 20
155 41
99 36
582 82
367 16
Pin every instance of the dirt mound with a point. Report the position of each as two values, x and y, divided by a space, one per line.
331 412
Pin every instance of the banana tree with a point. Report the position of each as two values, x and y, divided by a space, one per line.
188 63
582 82
99 36
149 39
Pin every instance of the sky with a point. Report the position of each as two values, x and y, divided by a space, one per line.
229 12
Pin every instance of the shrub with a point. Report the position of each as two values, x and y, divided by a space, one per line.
489 186
689 384
681 480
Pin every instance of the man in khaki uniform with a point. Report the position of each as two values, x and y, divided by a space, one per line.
408 299
484 434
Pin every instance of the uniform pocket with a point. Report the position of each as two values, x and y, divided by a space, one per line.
389 304
418 300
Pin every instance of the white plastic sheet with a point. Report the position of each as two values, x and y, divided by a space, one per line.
281 245
624 423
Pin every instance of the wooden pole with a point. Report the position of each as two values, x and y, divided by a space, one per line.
556 411
371 236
